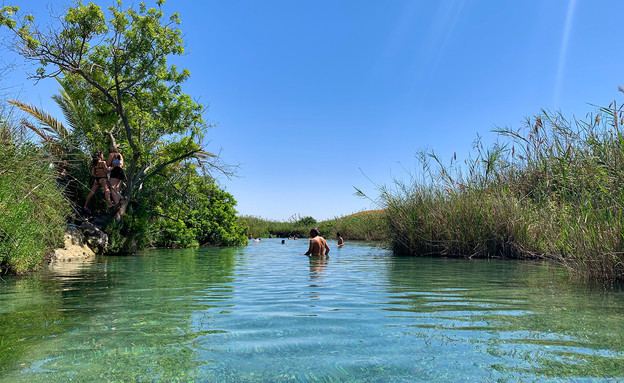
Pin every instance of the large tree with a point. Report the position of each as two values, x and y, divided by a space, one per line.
118 66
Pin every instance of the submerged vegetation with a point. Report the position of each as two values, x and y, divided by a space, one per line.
552 189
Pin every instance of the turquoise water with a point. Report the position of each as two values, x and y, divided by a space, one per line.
265 313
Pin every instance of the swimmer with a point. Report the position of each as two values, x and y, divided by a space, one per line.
318 245
339 240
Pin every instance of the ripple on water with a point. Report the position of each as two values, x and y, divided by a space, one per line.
264 313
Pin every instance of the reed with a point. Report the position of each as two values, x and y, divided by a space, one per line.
370 225
32 206
551 189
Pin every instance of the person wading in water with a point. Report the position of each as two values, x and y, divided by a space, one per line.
318 245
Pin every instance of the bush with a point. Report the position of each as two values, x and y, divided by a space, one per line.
193 212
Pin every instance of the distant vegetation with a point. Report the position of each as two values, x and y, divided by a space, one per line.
552 189
367 225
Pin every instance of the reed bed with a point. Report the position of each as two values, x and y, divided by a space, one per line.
551 189
369 225
32 205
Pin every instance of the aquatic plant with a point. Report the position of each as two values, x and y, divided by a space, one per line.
551 189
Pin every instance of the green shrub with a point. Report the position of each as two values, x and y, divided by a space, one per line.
194 211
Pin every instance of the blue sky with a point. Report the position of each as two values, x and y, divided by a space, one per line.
314 98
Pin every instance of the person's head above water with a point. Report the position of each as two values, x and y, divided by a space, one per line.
314 232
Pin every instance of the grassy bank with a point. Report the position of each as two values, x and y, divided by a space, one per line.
32 207
552 189
367 225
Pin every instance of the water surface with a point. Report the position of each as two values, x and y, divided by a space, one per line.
265 313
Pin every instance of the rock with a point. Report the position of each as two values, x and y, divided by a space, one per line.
96 239
75 247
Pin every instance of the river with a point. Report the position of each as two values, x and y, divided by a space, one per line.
266 313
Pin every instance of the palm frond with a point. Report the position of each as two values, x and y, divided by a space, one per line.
44 136
50 123
76 116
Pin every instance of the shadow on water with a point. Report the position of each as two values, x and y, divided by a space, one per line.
120 319
526 315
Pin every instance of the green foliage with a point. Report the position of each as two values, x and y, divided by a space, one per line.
211 213
116 72
306 221
367 225
32 207
552 189
262 228
179 209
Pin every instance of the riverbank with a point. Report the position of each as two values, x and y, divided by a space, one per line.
552 189
80 243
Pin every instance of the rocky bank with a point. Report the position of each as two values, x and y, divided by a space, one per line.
81 242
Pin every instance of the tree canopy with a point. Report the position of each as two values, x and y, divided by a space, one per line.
117 66
118 89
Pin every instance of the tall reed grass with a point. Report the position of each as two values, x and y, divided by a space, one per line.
551 189
32 206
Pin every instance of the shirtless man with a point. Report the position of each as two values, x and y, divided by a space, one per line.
318 245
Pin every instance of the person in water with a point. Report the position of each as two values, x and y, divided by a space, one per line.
117 174
339 240
318 244
99 171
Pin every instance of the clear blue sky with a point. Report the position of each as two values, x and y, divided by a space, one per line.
312 98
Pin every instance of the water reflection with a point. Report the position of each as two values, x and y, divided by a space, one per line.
68 270
318 263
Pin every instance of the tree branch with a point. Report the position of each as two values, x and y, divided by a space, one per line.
162 166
